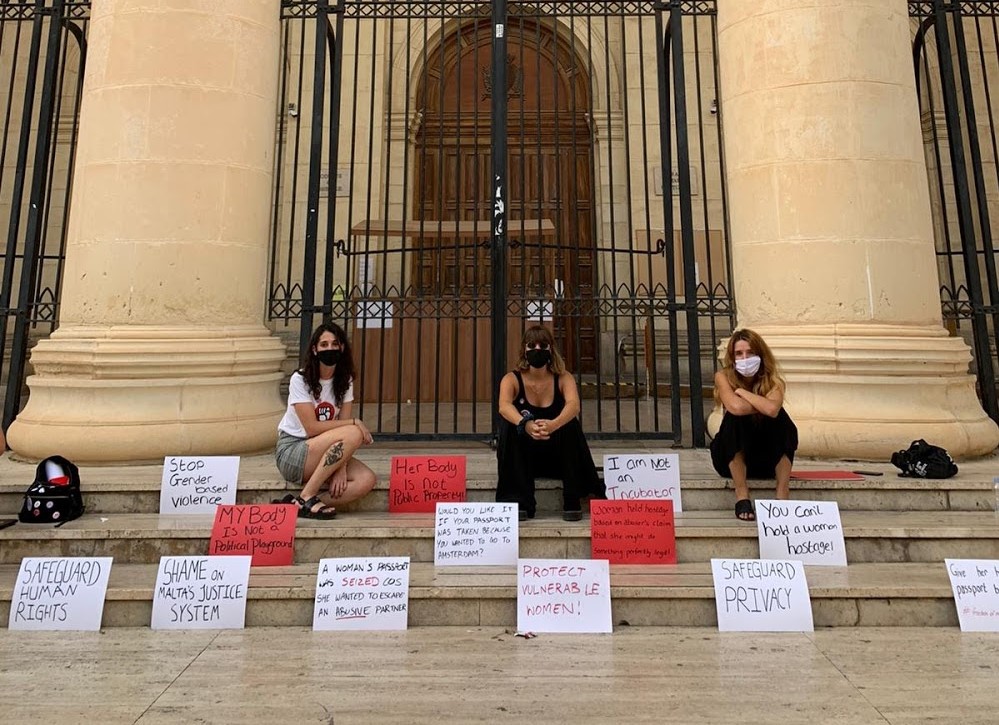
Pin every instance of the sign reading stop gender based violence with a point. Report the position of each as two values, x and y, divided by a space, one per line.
196 485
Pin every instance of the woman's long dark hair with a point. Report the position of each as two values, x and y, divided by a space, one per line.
343 373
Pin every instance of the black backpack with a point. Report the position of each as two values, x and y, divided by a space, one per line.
53 503
924 460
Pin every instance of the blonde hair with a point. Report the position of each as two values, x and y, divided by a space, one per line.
534 335
766 379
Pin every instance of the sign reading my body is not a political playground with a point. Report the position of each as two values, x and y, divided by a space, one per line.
643 476
761 596
65 593
197 484
809 531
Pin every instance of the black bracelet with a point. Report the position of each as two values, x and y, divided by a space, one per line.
522 425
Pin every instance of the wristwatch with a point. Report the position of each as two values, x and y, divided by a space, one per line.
522 425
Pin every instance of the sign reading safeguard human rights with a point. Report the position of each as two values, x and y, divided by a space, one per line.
761 595
563 595
201 592
476 534
632 476
809 531
196 485
64 593
975 583
418 483
633 532
369 593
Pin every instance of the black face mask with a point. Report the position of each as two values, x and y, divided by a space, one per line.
538 358
329 357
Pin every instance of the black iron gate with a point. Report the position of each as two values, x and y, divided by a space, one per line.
449 173
956 56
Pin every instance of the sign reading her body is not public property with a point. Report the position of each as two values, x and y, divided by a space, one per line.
265 532
418 483
655 476
976 593
197 484
201 592
761 596
633 532
64 593
809 531
563 595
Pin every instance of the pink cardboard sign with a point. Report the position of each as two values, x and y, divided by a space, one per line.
633 532
264 531
418 483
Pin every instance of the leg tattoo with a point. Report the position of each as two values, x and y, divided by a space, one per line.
334 454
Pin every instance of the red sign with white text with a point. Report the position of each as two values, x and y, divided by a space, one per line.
633 532
418 483
264 531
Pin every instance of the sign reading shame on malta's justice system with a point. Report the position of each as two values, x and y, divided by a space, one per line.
201 592
264 531
563 595
59 593
362 593
196 485
809 531
643 476
418 483
476 533
762 595
633 532
976 593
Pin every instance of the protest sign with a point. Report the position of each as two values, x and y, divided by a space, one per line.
201 592
563 595
809 531
633 532
418 483
643 476
761 596
362 593
476 533
196 485
264 531
975 583
65 593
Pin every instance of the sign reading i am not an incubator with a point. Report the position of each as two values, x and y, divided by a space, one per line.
65 593
201 592
643 476
976 593
196 485
370 593
761 596
809 531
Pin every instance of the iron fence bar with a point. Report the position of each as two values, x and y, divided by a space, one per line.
500 199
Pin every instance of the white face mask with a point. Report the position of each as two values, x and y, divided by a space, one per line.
748 366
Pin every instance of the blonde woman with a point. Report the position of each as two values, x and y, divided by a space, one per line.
757 438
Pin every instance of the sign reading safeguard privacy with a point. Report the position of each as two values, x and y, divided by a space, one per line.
563 595
196 485
761 596
418 483
976 593
201 592
476 533
65 593
643 476
809 531
265 532
362 593
633 532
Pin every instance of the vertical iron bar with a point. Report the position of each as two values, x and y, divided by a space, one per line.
500 197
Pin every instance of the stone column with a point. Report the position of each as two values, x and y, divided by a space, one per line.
832 237
161 347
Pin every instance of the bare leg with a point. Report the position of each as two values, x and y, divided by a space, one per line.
360 481
784 478
737 467
327 452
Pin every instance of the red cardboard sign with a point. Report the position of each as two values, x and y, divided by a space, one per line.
418 483
264 531
633 532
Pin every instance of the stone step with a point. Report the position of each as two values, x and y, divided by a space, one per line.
887 537
681 595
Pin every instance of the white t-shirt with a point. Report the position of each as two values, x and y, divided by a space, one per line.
326 407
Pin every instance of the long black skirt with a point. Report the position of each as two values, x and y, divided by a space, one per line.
763 441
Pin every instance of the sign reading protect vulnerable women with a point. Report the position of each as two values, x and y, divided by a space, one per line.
201 592
809 531
633 532
65 593
196 485
761 596
976 593
563 595
476 534
264 531
418 483
643 476
362 593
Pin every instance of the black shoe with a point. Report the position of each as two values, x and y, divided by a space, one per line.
572 515
522 515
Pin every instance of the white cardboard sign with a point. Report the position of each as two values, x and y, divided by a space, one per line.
643 476
60 593
761 596
197 484
976 593
476 533
362 593
808 531
201 592
563 595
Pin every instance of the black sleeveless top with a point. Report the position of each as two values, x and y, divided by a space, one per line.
548 412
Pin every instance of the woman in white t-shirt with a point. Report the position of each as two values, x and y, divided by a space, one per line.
317 437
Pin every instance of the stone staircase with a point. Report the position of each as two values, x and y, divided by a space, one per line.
898 531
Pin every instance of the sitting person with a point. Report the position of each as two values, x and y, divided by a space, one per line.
757 438
317 437
539 433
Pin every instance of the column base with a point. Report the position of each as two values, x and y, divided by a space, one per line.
866 391
129 393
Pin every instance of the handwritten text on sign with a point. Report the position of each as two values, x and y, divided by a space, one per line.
976 593
476 533
198 485
809 531
418 483
643 476
761 596
60 593
633 532
563 595
264 531
362 593
201 592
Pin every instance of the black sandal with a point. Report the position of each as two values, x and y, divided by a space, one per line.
744 510
306 509
288 498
